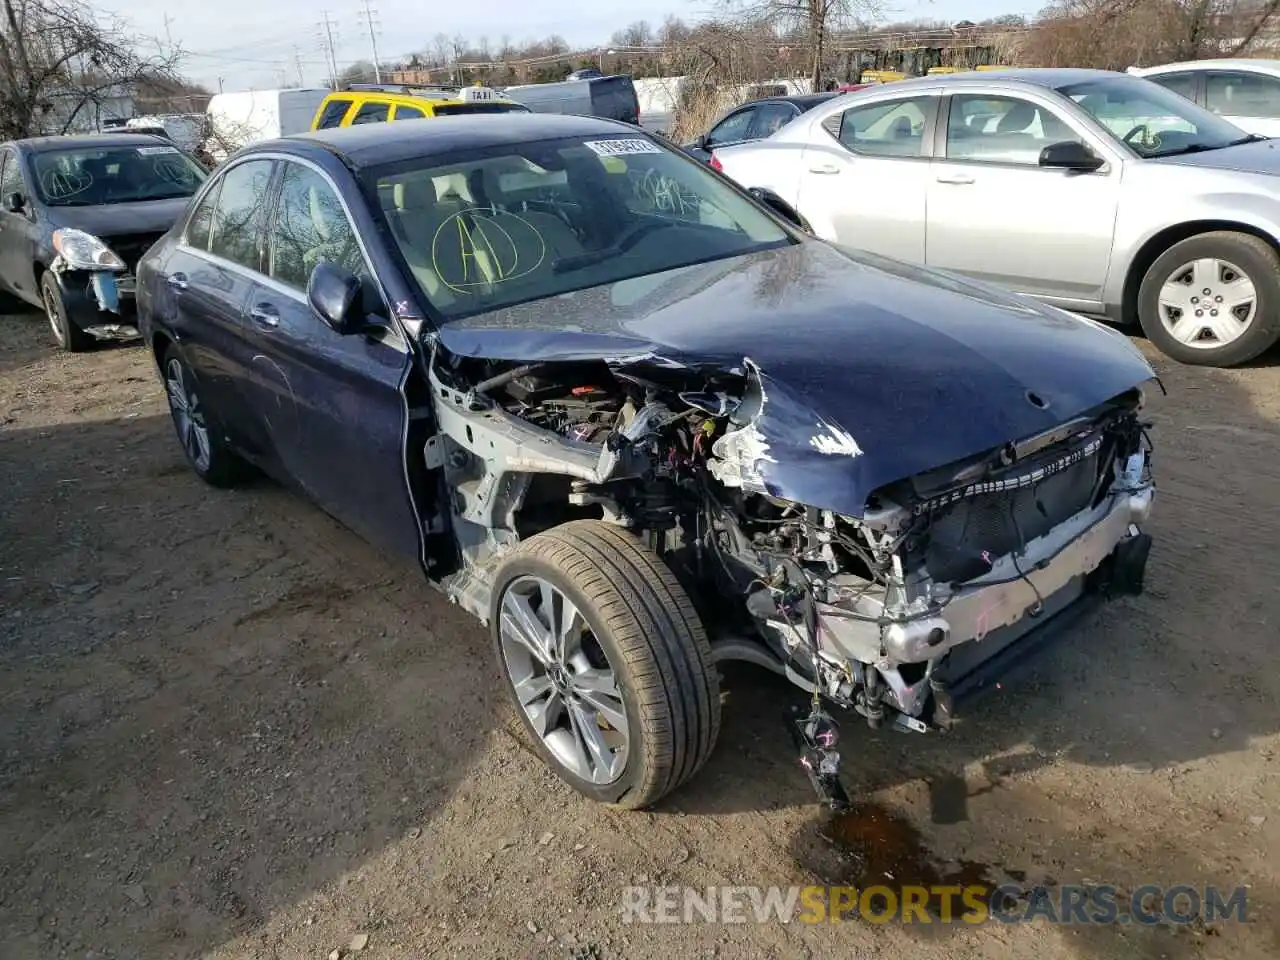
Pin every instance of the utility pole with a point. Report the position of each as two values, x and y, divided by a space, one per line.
371 23
297 62
326 43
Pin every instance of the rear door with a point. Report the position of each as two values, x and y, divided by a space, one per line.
338 416
211 274
17 230
404 111
864 176
371 111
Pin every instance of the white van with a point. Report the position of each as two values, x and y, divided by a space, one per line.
237 119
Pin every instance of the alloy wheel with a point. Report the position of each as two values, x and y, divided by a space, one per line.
51 311
1208 303
188 417
563 680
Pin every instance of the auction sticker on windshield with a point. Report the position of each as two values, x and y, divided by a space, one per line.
621 148
153 151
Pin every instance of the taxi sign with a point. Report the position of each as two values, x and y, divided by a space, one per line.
474 94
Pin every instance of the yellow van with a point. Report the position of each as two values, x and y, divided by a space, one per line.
378 103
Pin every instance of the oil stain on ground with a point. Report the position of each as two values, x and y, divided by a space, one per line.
870 846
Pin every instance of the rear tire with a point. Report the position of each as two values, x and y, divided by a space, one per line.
1213 299
65 333
638 627
196 424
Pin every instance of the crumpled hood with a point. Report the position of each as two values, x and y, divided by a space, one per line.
872 370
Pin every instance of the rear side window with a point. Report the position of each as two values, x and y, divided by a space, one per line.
371 113
1183 84
200 226
892 128
334 111
453 109
237 216
409 113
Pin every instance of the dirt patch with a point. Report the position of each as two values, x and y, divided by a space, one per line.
232 729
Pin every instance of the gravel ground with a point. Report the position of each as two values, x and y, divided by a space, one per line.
231 729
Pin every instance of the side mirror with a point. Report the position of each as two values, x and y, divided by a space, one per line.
780 207
334 294
1070 155
15 203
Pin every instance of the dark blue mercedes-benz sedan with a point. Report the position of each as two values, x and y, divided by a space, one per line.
638 423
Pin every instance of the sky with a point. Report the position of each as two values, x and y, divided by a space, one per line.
246 44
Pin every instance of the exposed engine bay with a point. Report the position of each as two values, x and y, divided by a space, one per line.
881 613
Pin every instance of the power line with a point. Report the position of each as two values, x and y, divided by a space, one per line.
371 23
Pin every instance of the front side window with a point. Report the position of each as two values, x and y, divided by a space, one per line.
371 113
310 227
334 111
770 118
535 220
478 106
1150 120
1242 95
237 216
992 129
892 128
81 177
405 112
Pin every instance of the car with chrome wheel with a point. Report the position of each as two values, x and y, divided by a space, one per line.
1098 192
76 215
639 425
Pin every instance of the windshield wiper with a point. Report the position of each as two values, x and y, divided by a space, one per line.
1203 147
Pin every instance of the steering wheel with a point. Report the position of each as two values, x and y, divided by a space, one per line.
1143 129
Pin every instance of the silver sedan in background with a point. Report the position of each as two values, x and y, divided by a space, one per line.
1097 192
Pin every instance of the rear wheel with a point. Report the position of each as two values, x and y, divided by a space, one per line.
69 337
208 454
606 662
1213 300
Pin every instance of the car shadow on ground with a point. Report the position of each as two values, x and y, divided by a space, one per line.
1148 695
214 701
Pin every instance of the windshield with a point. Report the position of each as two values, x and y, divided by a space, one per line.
1150 120
535 220
87 177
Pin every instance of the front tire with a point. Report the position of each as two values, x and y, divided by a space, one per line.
606 662
202 444
1213 299
67 335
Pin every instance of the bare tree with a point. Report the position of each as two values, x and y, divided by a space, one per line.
814 21
1115 34
61 61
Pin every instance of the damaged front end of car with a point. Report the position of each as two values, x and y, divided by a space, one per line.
96 285
892 600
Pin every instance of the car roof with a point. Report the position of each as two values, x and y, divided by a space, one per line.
803 100
371 144
1256 64
1047 77
86 141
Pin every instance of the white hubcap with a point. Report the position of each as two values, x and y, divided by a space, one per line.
1208 303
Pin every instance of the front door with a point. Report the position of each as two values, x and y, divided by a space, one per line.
997 215
863 177
339 417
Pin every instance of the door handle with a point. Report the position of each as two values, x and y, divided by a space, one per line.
825 168
265 315
956 179
177 280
